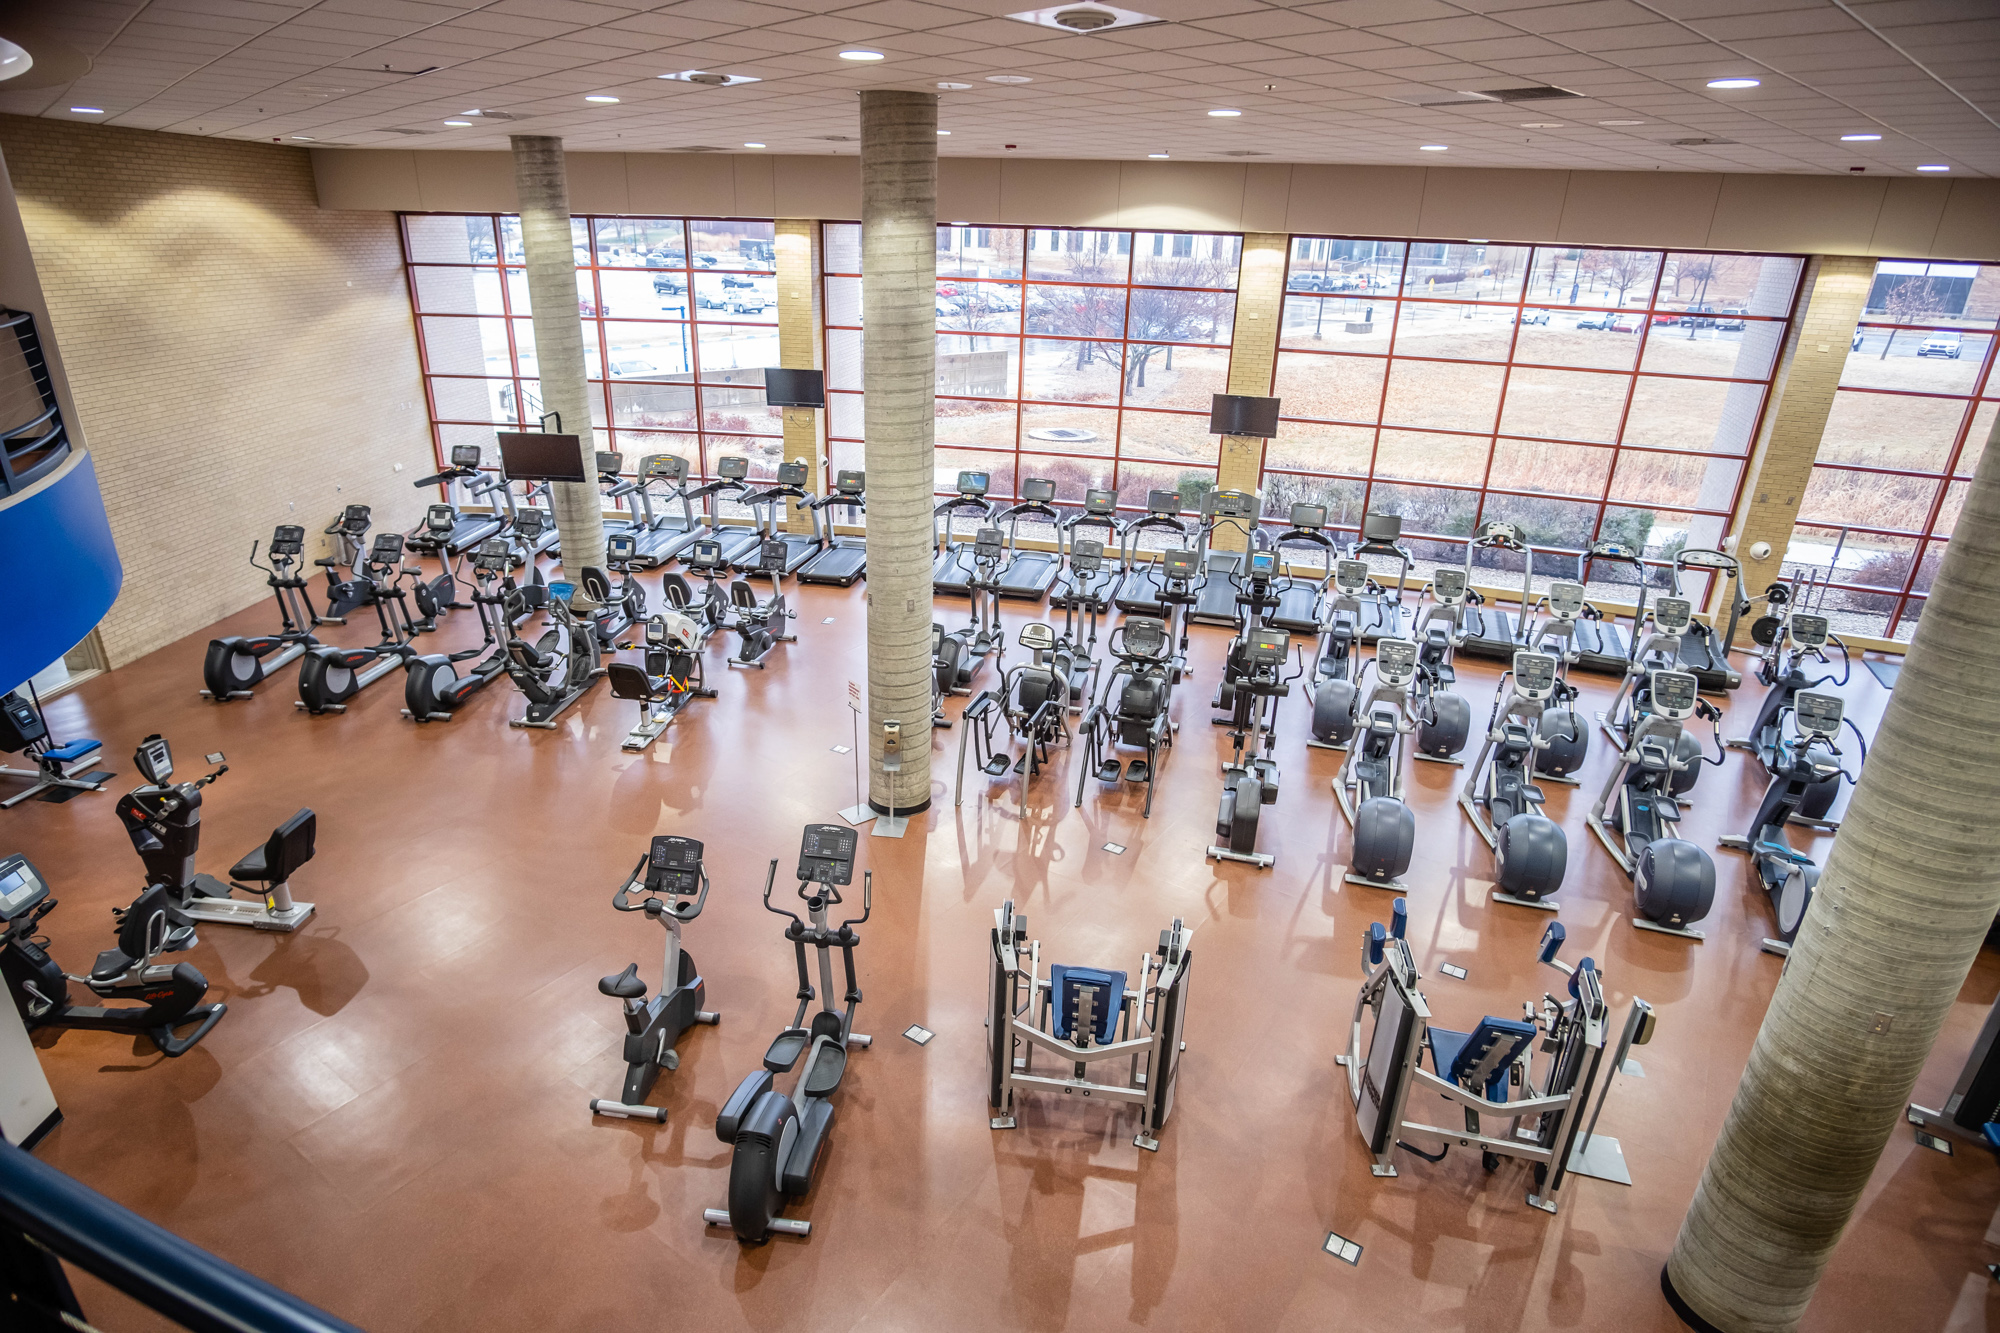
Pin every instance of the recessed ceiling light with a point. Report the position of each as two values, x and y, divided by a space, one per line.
1156 155
1621 122
709 78
1859 138
1085 18
858 54
1433 147
944 134
1934 167
307 138
88 110
954 87
1542 125
460 124
1225 111
1734 83
753 145
1008 78
600 97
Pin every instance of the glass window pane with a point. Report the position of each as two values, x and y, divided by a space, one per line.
975 307
1891 430
970 252
1180 377
1975 439
1312 447
458 291
1659 533
517 292
1186 259
1916 360
1341 496
1708 415
1174 436
1552 338
466 346
587 302
653 406
646 351
841 251
951 462
1337 388
1948 512
1682 345
1064 255
450 436
645 293
1435 511
1868 499
1465 272
1563 524
1536 465
1071 372
967 423
472 400
843 302
1443 395
633 445
1334 264
445 238
1564 404
1172 315
510 240
524 348
1136 479
843 359
1753 284
1698 481
1069 430
1337 323
641 243
985 367
1421 456
1462 332
1072 476
1076 312
844 415
730 347
734 244
735 296
1598 279
1915 292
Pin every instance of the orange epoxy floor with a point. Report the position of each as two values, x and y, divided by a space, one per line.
392 1122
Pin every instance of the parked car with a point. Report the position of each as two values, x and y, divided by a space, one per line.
666 284
731 280
750 304
1730 318
1534 317
1945 345
629 370
1611 322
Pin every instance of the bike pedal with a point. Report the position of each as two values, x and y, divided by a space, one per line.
1137 771
996 766
1108 771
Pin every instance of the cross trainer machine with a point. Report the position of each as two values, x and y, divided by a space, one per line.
1790 636
1133 711
1081 587
1659 651
1248 693
962 651
1530 852
1336 672
1549 1117
1031 702
1444 717
1085 1018
237 664
1369 786
1565 739
778 1139
667 876
1636 815
432 688
1100 510
329 676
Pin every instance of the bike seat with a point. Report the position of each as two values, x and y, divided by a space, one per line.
785 1050
625 986
110 965
826 1071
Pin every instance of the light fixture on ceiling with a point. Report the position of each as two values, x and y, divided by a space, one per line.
1620 123
88 110
1934 167
1859 138
709 78
944 134
1008 78
1090 17
1541 125
600 98
1735 83
304 138
459 124
14 60
1156 155
954 87
1225 112
859 54
1433 147
753 145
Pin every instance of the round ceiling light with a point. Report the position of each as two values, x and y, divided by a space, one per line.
14 60
708 78
1085 18
861 55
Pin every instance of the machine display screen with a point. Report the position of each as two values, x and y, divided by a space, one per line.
620 547
1310 517
1566 599
792 473
1100 502
826 855
288 539
1449 583
1231 504
1380 527
1267 647
1038 490
492 555
388 548
465 455
705 555
666 467
1086 556
1534 673
850 483
1163 502
674 865
440 518
1263 564
20 886
1809 631
974 483
731 467
1818 712
1673 614
1395 658
1350 575
1179 564
987 544
1674 692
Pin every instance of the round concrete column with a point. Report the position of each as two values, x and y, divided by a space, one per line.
550 258
1908 892
899 369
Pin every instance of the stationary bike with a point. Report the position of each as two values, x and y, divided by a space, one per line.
557 669
778 1138
1808 761
165 997
1369 787
761 623
1673 881
965 650
330 676
235 665
673 873
163 820
1031 702
670 679
1530 852
346 595
433 690
1134 710
620 607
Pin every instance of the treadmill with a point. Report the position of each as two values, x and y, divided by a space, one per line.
1704 651
1215 603
1096 586
467 530
1027 574
1139 592
1384 617
951 570
845 559
1487 630
799 546
666 535
738 544
1302 602
1600 644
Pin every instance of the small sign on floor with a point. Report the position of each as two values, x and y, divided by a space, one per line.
920 1035
1115 848
1933 1142
827 621
1452 970
842 749
1343 1249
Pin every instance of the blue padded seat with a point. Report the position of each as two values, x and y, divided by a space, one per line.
73 751
1069 983
1478 1060
1992 1132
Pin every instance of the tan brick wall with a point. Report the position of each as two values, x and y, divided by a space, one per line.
1809 366
238 357
799 348
1253 358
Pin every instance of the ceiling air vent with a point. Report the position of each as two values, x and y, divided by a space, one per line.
696 148
1539 93
1244 152
493 115
397 129
1698 143
835 138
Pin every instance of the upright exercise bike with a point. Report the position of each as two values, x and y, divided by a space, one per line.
344 596
778 1139
668 875
236 665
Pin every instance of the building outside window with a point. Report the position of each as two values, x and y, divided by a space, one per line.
1909 421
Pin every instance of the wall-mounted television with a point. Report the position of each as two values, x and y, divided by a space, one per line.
794 388
533 455
1241 414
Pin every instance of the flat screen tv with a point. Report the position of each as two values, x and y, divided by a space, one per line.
1240 414
533 455
794 388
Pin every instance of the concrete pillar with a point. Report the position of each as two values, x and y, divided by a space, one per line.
1808 371
798 246
899 366
1905 900
550 257
1253 360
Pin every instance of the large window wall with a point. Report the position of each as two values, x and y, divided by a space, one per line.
1085 357
1917 399
1582 394
679 317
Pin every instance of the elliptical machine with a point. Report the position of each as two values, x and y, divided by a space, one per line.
432 688
670 679
238 663
778 1139
1369 786
329 676
1134 709
672 872
1660 651
1808 761
1337 672
1081 587
1790 636
1565 738
557 669
1253 684
168 997
1673 881
163 819
1444 718
963 650
1530 853
1032 703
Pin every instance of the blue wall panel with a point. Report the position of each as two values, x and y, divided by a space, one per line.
59 572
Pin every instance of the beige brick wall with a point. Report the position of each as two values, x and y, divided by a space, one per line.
238 357
798 242
1253 358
